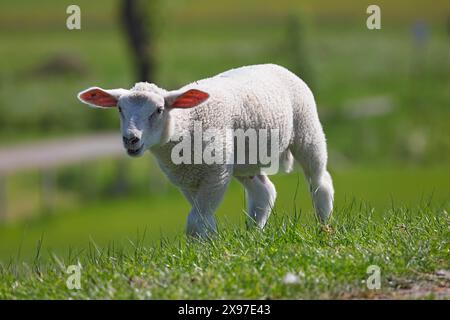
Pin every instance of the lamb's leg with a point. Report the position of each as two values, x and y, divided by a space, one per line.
201 222
261 195
313 159
322 192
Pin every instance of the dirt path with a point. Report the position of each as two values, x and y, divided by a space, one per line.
57 152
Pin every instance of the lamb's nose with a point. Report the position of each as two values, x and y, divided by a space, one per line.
132 140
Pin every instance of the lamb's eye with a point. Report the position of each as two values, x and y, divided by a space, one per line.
159 110
120 109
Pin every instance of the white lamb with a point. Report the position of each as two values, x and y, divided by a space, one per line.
252 97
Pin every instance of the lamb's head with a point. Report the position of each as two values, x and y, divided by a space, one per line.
144 111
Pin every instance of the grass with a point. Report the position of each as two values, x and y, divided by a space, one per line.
406 243
105 218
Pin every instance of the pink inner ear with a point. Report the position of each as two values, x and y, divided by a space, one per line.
99 98
190 98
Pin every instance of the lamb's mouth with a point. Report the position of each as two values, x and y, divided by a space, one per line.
135 152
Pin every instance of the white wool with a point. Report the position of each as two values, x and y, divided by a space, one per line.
147 87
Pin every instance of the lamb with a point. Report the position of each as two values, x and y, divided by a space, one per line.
258 97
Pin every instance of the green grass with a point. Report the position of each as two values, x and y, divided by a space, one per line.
404 242
163 212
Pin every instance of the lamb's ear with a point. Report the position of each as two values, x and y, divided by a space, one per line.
185 99
101 98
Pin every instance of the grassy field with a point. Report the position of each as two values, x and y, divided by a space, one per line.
391 169
164 213
288 260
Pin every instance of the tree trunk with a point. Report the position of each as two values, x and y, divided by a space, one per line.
138 27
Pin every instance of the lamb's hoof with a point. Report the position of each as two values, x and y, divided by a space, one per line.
327 228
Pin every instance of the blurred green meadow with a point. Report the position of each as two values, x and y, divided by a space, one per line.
383 98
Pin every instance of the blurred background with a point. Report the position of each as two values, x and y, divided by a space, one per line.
383 98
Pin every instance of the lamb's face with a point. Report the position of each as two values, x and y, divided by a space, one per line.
142 121
143 115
